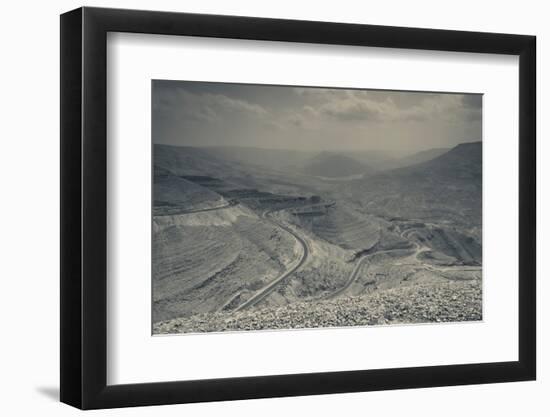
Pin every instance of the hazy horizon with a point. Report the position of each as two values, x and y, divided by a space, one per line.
385 152
311 119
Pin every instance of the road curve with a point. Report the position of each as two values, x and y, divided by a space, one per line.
418 249
435 268
353 275
350 280
265 291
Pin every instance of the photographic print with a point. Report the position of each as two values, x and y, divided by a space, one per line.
284 207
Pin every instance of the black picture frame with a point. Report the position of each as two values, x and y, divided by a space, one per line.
84 207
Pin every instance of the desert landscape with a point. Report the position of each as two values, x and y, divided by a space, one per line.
252 238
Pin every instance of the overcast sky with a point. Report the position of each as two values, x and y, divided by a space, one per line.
304 118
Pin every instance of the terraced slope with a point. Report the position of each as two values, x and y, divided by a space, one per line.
342 228
461 248
174 194
201 260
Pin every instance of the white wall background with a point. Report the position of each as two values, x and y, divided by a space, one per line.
29 238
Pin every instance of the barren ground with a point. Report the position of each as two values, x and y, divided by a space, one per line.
240 246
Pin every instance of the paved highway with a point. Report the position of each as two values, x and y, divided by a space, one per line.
265 291
353 276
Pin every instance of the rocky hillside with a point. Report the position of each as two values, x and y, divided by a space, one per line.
174 194
450 301
445 189
417 158
463 162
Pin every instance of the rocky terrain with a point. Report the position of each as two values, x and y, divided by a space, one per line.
174 194
245 236
423 303
417 191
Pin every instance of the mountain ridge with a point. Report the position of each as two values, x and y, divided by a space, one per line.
333 165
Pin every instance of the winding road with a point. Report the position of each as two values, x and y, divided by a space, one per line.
418 250
434 268
265 291
353 275
350 280
268 289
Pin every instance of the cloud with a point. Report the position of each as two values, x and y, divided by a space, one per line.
204 107
273 125
221 102
472 104
377 106
472 101
320 94
357 108
297 120
441 106
308 113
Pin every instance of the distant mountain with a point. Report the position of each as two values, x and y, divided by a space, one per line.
461 162
275 159
224 169
332 165
447 187
417 158
375 159
294 160
186 160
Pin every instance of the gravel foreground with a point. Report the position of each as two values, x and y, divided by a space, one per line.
421 303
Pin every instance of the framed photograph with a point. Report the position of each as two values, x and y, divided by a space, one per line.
256 208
